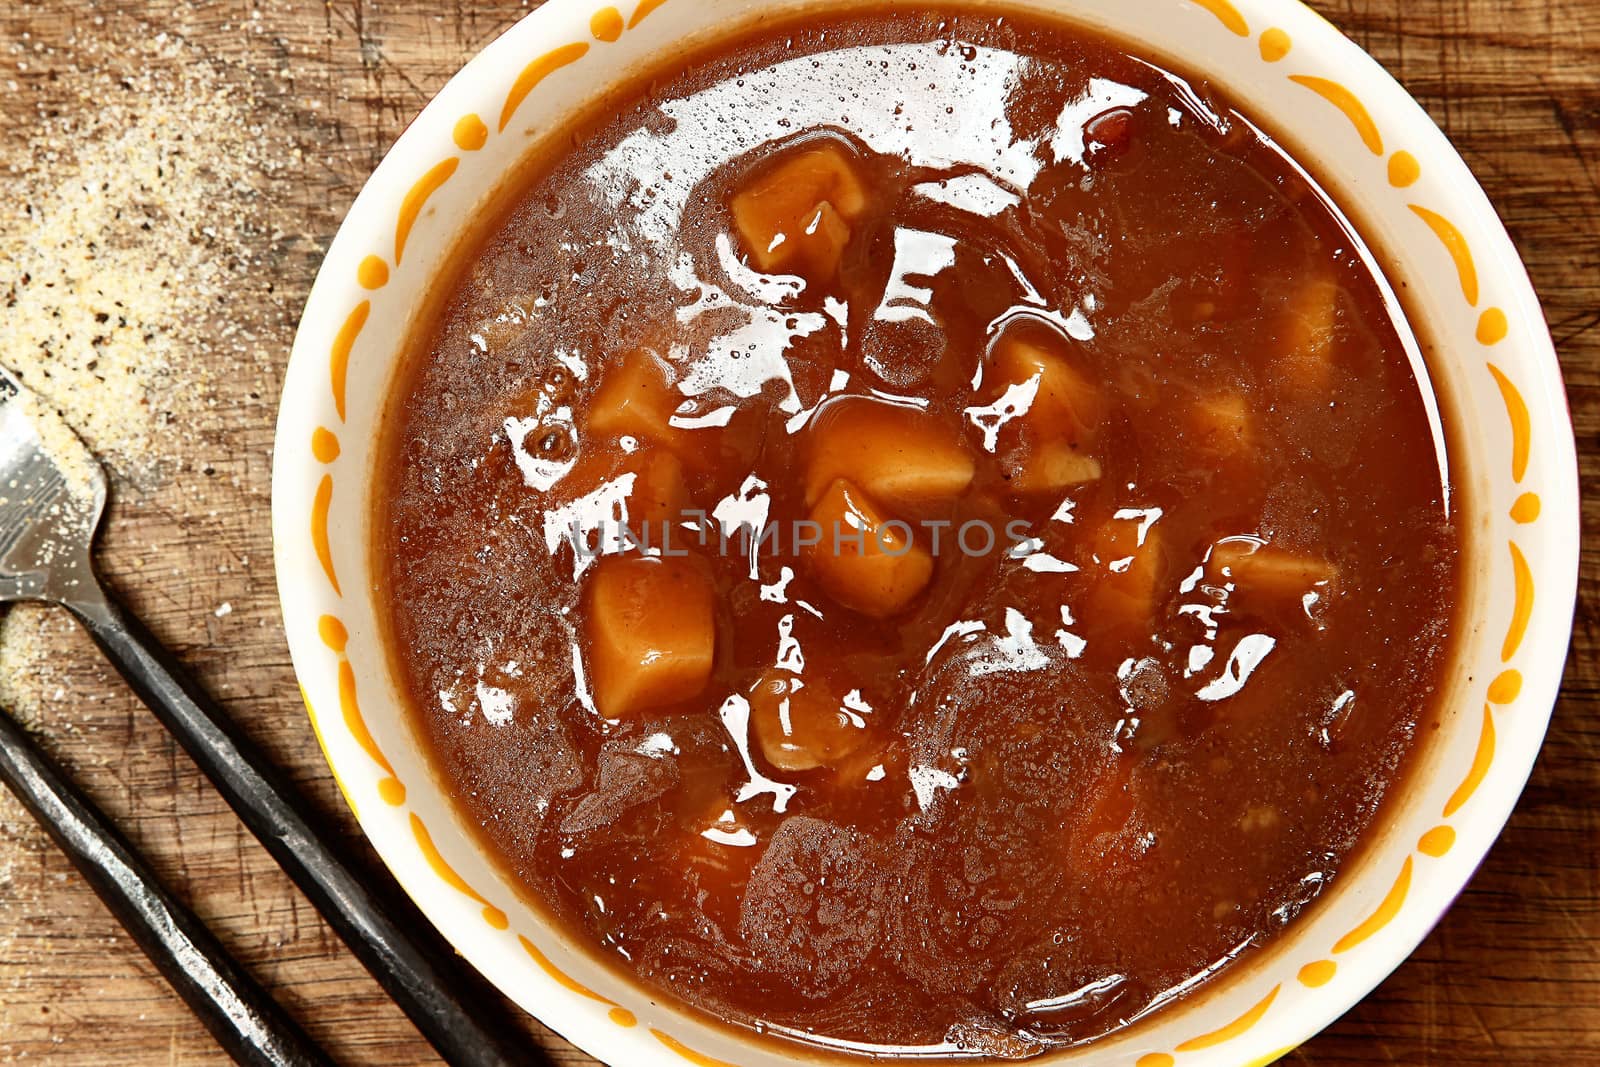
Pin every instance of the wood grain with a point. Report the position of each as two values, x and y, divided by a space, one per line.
1510 977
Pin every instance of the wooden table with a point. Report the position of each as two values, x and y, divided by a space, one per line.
1512 975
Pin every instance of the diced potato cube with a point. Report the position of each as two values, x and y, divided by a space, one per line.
801 725
1050 467
861 563
1222 423
1127 578
660 491
636 399
1066 405
797 216
651 632
1256 568
1306 334
1258 817
819 246
895 453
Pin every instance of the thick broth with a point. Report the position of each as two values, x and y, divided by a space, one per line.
942 270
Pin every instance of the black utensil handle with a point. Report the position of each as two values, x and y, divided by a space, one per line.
418 980
244 1019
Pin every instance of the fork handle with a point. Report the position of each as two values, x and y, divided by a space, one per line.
245 1020
420 981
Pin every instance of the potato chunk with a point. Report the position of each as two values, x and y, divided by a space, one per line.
1274 574
1067 404
1127 579
660 491
797 216
801 725
1050 467
1306 335
651 632
636 399
897 454
819 246
1222 423
880 575
660 498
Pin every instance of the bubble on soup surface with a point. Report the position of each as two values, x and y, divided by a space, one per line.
559 383
555 444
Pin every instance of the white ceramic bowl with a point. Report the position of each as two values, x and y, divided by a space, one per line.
1343 116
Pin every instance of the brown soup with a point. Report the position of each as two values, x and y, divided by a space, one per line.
918 531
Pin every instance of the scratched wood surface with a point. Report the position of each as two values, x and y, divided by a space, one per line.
1512 975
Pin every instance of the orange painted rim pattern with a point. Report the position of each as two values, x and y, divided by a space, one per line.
607 25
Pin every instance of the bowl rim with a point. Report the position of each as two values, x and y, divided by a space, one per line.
1537 438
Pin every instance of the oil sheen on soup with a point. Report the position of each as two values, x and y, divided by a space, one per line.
918 531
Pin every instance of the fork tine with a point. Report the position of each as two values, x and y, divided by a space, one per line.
52 490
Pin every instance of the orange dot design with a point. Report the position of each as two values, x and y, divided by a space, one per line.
373 273
333 634
324 445
1275 44
470 134
606 24
1492 327
1506 688
1404 170
1437 842
1317 974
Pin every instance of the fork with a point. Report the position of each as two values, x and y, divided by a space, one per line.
240 1014
52 495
